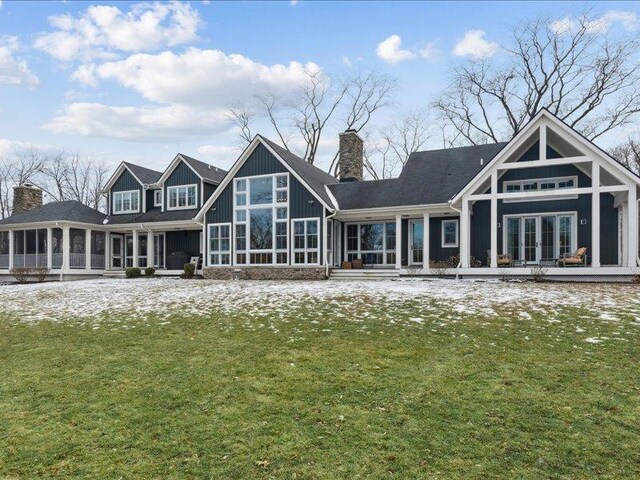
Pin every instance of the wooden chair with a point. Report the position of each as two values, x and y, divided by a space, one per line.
504 259
576 259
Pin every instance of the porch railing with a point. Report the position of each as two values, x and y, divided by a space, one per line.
56 261
97 261
4 261
30 260
77 260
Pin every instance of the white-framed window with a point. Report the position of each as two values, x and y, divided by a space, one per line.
261 219
540 184
372 242
306 244
157 198
449 233
220 244
126 202
182 197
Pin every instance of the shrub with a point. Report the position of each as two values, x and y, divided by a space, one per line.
24 274
635 279
189 270
133 272
149 272
40 273
538 273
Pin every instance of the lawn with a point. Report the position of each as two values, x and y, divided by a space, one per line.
394 379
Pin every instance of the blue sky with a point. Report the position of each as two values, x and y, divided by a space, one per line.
99 81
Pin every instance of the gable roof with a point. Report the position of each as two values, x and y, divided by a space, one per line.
69 211
209 173
144 175
315 177
428 177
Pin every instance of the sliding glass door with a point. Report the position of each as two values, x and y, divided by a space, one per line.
534 239
416 242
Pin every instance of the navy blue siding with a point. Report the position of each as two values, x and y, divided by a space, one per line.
125 182
182 175
208 191
436 251
183 241
149 197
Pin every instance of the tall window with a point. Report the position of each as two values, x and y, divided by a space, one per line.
450 233
220 244
126 202
374 243
184 196
306 247
261 213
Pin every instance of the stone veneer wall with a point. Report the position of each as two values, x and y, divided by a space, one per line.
264 273
351 156
26 197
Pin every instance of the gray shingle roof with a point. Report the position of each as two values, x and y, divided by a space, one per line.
70 211
209 172
145 175
315 177
429 177
152 215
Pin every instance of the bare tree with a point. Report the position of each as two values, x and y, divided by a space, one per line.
587 79
23 167
320 101
628 153
241 118
384 158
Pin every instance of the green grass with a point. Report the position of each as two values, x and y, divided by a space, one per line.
303 394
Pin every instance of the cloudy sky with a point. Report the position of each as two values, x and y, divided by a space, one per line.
143 81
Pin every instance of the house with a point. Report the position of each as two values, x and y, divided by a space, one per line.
537 198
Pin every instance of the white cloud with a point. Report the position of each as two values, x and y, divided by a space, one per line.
293 3
0 4
219 155
14 71
474 45
602 24
200 78
137 123
101 30
429 51
390 50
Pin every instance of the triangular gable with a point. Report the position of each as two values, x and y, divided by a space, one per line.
527 136
172 166
121 168
257 140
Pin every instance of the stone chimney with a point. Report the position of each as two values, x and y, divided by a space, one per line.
351 154
26 197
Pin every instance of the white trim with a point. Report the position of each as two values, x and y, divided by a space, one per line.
178 187
442 237
561 193
306 248
172 166
538 181
219 252
155 200
397 250
116 175
595 214
130 210
554 162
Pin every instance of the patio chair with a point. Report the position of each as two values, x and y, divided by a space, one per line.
195 261
576 259
504 259
357 263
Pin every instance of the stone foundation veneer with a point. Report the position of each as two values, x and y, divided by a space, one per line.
264 273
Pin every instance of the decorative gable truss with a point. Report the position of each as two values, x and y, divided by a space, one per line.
551 134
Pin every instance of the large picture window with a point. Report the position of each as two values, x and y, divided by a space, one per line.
126 202
261 214
306 247
220 244
184 196
374 243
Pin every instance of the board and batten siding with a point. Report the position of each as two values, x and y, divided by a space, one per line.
302 203
182 174
125 182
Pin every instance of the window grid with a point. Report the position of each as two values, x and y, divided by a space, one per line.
306 241
157 198
220 244
182 197
537 184
126 202
449 233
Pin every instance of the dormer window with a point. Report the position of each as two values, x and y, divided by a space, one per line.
126 202
157 198
182 197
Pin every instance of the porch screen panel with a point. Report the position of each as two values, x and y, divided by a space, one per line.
547 237
4 243
56 247
530 239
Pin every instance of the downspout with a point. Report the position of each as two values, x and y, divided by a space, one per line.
459 261
333 232
637 253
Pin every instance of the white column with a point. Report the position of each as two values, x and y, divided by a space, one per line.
150 239
66 248
107 250
398 242
632 235
595 214
87 249
494 219
464 234
425 242
49 248
11 248
135 248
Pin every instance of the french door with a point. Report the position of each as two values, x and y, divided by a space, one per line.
532 239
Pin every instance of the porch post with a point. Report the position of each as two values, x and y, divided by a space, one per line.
150 248
66 247
493 261
595 214
87 249
425 242
135 248
398 242
632 235
464 234
49 248
107 250
11 248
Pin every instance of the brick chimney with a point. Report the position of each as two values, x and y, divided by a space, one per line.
26 197
351 154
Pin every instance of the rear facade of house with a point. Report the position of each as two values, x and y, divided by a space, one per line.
511 208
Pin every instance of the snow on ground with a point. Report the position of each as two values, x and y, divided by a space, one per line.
413 302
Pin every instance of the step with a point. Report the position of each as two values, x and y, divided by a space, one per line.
363 274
